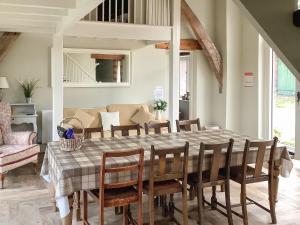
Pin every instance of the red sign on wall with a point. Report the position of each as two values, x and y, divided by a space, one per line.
248 79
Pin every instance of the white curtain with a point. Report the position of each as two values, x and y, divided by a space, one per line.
158 12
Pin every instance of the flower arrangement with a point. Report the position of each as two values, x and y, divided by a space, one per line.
160 105
29 86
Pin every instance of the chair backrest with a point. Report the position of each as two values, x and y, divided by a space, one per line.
88 132
260 147
169 168
186 125
125 129
216 157
157 127
137 166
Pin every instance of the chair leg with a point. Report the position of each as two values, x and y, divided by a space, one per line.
171 207
85 208
164 206
272 201
2 176
200 205
228 202
140 210
244 204
151 210
222 186
192 192
214 198
36 167
184 207
78 211
125 215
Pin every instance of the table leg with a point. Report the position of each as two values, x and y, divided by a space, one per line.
78 206
52 194
68 219
276 180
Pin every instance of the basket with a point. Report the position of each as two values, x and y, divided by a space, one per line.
72 144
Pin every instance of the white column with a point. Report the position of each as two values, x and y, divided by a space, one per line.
174 64
57 82
297 131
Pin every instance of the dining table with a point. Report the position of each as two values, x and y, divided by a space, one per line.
69 172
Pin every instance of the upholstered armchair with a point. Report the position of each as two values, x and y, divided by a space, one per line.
16 148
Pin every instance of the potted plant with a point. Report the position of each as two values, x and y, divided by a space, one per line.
28 86
159 105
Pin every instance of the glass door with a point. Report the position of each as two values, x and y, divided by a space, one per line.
283 113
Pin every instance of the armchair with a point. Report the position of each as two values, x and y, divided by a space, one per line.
16 148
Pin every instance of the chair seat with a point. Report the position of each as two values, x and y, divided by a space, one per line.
14 156
164 187
117 196
236 175
193 178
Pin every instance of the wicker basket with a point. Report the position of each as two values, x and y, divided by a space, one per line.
72 144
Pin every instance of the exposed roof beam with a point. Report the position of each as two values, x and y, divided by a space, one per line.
211 52
23 17
7 9
120 31
83 8
40 3
185 44
6 42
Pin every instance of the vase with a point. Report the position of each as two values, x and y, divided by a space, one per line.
28 100
158 115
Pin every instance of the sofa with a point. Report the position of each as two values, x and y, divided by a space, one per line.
127 111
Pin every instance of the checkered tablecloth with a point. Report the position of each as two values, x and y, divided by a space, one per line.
79 170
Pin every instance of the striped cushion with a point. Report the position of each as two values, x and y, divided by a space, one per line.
13 156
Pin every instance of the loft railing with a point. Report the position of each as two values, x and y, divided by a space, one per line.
150 12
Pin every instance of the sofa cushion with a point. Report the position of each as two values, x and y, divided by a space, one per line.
142 117
126 111
14 156
69 112
84 117
110 118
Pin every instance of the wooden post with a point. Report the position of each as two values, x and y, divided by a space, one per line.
6 42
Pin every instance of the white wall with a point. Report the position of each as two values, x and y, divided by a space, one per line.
29 58
203 75
150 68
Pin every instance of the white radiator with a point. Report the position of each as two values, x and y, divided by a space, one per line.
46 126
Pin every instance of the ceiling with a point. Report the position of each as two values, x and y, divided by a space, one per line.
43 16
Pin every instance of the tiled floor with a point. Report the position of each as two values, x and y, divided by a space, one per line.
25 201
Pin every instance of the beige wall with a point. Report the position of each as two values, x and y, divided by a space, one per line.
29 58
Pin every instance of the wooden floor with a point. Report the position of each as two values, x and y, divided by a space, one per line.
25 201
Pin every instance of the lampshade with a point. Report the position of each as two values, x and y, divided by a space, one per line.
3 82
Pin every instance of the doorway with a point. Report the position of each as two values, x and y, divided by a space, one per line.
185 86
283 104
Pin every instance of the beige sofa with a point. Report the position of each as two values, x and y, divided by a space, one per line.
126 112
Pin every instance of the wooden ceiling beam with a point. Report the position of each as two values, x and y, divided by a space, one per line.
6 42
212 54
108 56
185 44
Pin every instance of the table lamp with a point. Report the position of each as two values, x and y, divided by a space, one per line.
3 85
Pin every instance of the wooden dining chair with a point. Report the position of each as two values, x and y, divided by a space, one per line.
87 135
215 176
249 174
168 179
118 194
88 132
125 129
186 125
157 127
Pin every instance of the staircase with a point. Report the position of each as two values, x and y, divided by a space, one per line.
273 20
75 73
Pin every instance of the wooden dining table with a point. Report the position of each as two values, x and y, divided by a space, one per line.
70 172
